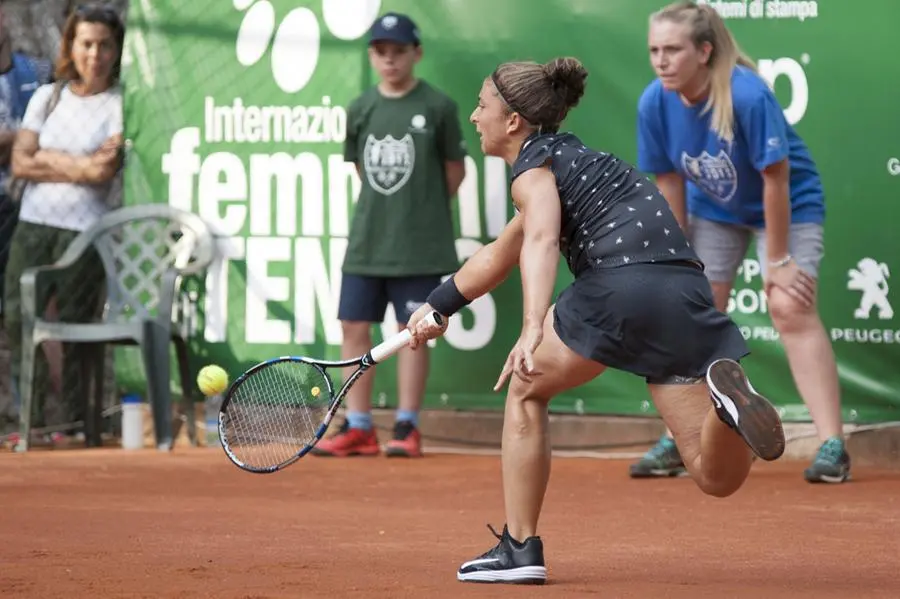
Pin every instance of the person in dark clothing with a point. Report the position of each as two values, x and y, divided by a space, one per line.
639 303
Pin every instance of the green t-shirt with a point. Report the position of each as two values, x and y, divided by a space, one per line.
402 224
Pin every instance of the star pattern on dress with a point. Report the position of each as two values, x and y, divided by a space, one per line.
607 236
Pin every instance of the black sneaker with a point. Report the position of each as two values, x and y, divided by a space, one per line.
739 406
510 561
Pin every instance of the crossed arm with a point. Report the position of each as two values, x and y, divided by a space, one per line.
50 166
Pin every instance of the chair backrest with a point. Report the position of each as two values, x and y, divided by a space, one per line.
138 245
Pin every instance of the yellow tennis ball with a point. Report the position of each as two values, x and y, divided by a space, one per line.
212 380
314 391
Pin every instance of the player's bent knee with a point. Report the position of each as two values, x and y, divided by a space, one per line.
524 416
524 391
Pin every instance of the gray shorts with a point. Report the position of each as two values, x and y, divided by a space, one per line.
722 247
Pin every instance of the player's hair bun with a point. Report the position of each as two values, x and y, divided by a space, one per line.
567 77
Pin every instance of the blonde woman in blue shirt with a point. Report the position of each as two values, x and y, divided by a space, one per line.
733 169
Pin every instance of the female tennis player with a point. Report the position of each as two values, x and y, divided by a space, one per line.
639 303
733 169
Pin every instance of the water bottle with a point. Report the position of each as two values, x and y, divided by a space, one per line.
212 404
132 422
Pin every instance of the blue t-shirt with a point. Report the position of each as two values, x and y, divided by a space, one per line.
17 86
724 183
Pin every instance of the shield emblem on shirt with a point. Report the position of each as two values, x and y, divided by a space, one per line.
715 175
389 162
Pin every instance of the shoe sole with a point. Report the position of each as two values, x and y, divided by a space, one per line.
823 478
397 452
343 454
659 473
399 448
755 419
523 575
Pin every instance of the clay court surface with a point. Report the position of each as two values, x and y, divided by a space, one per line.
109 523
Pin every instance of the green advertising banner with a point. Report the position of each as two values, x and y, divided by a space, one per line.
237 111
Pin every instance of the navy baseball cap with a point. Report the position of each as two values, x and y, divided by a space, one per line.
394 27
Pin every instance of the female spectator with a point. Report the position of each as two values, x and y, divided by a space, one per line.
733 169
67 150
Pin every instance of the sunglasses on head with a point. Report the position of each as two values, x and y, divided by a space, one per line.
97 12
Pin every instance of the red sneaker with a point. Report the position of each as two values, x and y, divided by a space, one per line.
348 442
407 441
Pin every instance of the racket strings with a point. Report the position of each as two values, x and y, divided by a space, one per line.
275 412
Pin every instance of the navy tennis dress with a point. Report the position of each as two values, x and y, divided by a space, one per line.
640 301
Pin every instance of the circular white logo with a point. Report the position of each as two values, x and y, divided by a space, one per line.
418 122
893 165
294 42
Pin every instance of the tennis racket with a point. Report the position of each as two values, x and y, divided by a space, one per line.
275 413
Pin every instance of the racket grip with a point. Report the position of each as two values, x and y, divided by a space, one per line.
395 343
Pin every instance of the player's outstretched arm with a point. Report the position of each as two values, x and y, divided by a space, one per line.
490 265
481 273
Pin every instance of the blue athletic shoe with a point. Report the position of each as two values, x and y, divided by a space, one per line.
662 460
831 464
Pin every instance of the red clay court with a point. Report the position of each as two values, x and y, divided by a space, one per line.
110 523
